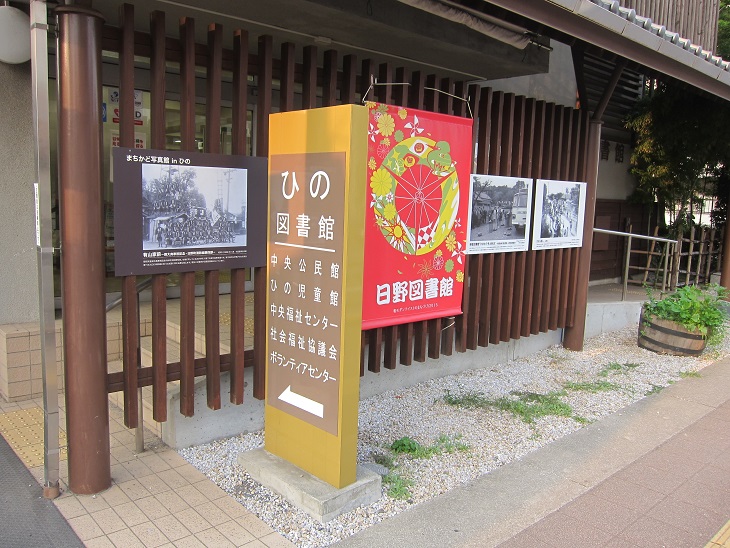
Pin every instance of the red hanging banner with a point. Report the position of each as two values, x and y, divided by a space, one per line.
417 211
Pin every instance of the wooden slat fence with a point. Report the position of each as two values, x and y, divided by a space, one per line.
506 296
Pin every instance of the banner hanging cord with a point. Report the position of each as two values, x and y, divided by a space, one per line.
374 82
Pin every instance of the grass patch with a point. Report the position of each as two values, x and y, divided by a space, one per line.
689 374
384 460
397 486
444 444
598 386
615 367
527 406
655 389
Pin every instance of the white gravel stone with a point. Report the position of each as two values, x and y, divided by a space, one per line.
494 437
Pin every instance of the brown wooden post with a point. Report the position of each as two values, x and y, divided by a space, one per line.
574 335
84 319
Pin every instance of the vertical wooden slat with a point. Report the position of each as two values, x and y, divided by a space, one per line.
159 281
420 340
556 173
329 83
485 305
539 256
367 75
495 158
286 78
475 291
580 167
518 147
526 171
482 299
508 283
187 279
416 98
212 145
265 62
462 324
430 96
187 344
390 346
375 344
400 90
460 107
565 172
309 77
238 276
130 325
384 90
446 101
349 79
238 334
406 344
416 91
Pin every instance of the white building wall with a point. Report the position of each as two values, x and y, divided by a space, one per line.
18 278
615 182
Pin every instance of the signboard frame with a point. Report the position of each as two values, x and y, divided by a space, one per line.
164 221
558 222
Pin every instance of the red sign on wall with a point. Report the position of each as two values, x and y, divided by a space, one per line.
417 213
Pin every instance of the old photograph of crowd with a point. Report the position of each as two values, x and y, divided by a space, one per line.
499 214
559 214
199 207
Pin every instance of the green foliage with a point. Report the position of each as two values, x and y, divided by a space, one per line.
723 30
598 386
527 406
689 374
384 460
680 139
406 445
397 486
615 367
444 444
695 308
655 389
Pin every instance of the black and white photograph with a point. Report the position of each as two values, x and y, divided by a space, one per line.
184 207
559 214
499 214
184 211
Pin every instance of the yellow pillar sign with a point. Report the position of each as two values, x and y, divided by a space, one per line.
317 171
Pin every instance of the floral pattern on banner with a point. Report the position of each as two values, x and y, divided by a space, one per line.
416 217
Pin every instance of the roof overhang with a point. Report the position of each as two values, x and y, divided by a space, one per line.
608 31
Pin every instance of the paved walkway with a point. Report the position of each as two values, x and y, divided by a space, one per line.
654 474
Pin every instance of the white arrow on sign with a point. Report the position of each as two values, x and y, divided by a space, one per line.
302 402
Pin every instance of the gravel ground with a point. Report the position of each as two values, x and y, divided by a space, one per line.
609 374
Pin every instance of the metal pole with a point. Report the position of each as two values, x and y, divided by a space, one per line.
139 431
82 265
44 245
626 268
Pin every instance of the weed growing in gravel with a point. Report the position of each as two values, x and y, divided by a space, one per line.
444 444
655 389
688 374
397 486
467 399
615 367
593 387
384 460
527 406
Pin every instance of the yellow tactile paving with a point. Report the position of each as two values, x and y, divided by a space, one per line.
23 430
721 539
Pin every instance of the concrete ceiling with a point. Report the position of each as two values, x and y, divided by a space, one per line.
381 30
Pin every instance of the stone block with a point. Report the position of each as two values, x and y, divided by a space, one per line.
317 498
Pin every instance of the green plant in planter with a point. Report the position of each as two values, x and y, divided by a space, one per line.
696 308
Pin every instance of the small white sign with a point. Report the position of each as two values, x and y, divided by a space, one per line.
37 216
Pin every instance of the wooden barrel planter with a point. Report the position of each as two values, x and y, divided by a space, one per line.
668 337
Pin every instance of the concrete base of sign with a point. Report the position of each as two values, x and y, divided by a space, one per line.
308 493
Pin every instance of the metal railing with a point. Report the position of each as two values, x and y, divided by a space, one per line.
666 253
